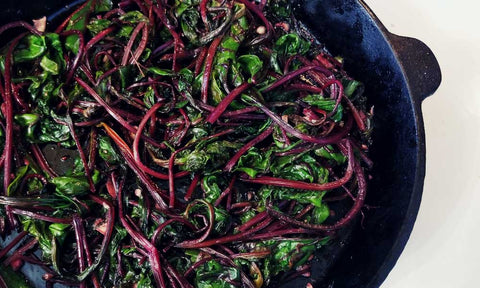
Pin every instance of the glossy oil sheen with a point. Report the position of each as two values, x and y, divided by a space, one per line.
398 74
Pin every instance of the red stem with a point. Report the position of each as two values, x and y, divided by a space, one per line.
305 87
295 74
110 219
280 182
38 216
153 256
95 281
319 140
239 112
67 20
128 48
227 239
136 141
141 47
257 11
247 146
114 112
165 224
77 225
81 152
226 192
8 147
76 60
152 188
195 265
222 106
13 243
211 221
356 115
99 37
203 12
16 24
192 187
339 96
199 61
171 180
212 50
20 251
356 208
256 219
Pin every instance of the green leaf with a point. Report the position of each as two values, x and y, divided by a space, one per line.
212 190
71 185
13 278
325 104
250 64
33 46
55 50
219 152
49 65
103 6
320 102
328 154
254 162
251 172
97 25
133 17
320 214
212 275
287 254
21 172
226 57
302 167
188 22
185 80
149 97
79 20
58 229
280 9
126 75
125 31
161 72
106 150
181 6
350 86
72 43
222 221
195 161
144 282
301 196
320 173
299 172
51 131
119 234
26 119
291 44
247 216
236 77
39 230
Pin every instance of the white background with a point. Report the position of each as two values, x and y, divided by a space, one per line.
444 249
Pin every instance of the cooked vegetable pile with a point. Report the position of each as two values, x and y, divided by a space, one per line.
188 143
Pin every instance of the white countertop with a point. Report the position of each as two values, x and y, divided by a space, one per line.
443 250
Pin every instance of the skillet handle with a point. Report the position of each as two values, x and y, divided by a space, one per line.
419 64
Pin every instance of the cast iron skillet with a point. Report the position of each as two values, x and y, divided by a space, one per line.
398 73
